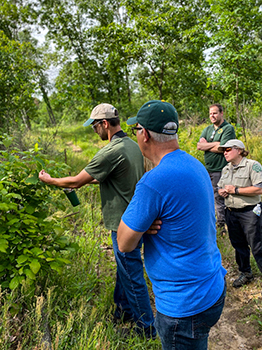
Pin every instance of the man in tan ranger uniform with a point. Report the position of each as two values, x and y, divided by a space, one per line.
241 187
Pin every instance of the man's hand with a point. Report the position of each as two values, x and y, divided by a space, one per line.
203 140
44 177
155 227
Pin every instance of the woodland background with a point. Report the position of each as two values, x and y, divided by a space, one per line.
57 269
190 53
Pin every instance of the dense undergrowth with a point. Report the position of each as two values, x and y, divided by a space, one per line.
71 307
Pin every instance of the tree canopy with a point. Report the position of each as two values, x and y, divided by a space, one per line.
125 52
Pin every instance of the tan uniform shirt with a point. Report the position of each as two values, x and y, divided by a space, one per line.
247 173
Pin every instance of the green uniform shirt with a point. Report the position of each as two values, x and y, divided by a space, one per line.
225 132
118 167
247 173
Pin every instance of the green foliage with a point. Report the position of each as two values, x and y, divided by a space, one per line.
31 241
236 59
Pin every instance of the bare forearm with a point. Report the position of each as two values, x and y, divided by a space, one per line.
127 239
244 191
208 146
70 181
64 182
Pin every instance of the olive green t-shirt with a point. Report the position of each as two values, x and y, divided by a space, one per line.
118 167
225 132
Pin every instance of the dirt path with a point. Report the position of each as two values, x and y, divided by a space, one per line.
238 327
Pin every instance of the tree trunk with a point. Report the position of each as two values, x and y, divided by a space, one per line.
48 106
237 100
26 119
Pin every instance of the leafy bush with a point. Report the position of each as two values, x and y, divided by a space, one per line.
31 241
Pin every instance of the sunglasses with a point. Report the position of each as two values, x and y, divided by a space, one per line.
136 128
95 125
228 149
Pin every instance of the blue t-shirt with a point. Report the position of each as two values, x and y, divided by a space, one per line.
182 260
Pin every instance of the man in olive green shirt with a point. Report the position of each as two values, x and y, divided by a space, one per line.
117 168
212 136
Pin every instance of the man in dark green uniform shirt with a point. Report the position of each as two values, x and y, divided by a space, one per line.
117 168
212 136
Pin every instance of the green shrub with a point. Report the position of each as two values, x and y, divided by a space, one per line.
31 241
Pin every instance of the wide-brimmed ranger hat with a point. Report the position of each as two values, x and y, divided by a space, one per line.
232 143
102 111
154 115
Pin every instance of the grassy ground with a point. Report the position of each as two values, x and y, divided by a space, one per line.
74 310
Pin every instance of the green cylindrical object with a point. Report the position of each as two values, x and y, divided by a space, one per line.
72 196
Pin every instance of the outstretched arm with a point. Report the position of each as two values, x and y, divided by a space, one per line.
77 181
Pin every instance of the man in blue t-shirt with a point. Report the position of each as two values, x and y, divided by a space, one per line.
182 258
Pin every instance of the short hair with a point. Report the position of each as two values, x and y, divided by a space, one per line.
165 137
114 121
218 105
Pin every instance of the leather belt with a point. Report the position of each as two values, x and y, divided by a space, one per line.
246 208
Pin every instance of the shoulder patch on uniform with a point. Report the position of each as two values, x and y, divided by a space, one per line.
257 167
220 131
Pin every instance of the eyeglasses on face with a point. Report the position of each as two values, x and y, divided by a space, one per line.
95 125
136 128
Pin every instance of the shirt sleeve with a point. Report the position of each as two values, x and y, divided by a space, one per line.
99 167
228 134
143 209
256 173
204 133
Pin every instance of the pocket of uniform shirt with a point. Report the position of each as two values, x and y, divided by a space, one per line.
242 180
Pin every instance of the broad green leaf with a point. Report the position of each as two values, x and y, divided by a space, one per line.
55 266
7 142
35 266
14 283
36 251
29 209
21 259
4 207
40 161
65 261
12 222
32 179
29 274
3 245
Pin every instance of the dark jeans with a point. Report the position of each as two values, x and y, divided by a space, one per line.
244 229
219 201
189 333
131 294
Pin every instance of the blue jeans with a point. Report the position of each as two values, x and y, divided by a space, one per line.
188 333
131 294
